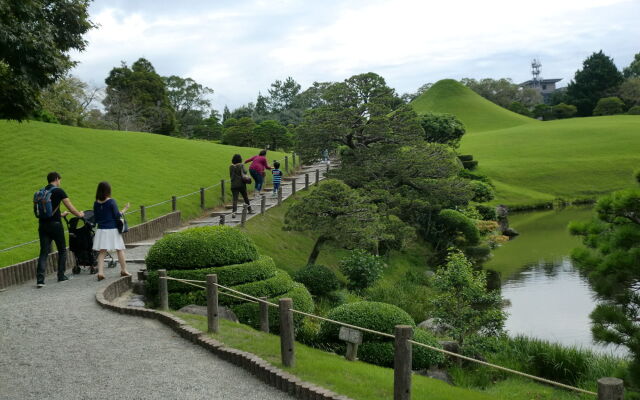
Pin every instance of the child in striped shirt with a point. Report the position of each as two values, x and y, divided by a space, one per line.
276 176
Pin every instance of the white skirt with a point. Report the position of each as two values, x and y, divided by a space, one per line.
108 239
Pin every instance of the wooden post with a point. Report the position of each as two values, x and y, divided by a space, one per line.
174 203
164 289
212 303
287 338
327 167
202 198
402 363
143 214
306 181
293 186
610 389
244 215
222 222
264 315
286 164
263 204
317 177
222 192
293 158
280 195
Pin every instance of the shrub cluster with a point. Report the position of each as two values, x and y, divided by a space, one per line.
319 279
201 247
361 268
381 317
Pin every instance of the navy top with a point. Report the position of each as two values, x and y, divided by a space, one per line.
106 214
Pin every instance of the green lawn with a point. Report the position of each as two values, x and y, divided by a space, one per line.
531 161
142 168
362 381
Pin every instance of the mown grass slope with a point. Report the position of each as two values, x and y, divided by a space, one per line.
531 161
142 168
477 113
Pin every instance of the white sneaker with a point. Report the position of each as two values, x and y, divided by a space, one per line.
233 215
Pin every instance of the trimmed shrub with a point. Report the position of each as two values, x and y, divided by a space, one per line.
488 213
319 279
609 106
465 157
361 268
280 283
366 314
470 165
202 247
474 176
482 192
563 110
382 353
635 110
230 275
249 313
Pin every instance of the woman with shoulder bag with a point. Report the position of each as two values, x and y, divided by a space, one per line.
108 238
239 180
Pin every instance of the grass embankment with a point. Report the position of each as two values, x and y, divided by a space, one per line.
532 162
359 380
142 168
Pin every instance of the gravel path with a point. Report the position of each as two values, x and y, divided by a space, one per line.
57 343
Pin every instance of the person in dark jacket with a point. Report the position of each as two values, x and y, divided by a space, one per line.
107 238
238 176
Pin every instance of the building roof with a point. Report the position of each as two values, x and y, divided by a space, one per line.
542 81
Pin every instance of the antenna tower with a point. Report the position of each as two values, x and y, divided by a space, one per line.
535 71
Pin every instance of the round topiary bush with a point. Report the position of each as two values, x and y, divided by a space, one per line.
381 317
319 279
202 247
361 268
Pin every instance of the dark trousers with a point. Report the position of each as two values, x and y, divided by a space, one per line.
258 178
239 191
51 231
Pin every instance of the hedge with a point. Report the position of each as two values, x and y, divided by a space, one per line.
249 313
280 283
230 275
471 164
380 317
382 353
319 279
201 247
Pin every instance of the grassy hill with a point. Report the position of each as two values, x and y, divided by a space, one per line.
142 168
532 161
477 113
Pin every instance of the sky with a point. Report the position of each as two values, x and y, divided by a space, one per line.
240 47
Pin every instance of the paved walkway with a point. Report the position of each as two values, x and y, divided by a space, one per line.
57 343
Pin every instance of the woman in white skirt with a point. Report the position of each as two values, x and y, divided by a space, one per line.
107 238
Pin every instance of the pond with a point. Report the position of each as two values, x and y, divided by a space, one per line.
549 299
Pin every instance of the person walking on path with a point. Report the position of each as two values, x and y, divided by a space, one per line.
50 225
258 165
107 238
276 177
239 179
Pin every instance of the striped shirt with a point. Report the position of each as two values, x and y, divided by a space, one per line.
277 175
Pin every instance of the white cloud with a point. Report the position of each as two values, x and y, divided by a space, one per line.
239 48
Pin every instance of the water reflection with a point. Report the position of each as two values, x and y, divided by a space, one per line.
552 301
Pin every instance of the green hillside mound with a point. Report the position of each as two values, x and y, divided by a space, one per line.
477 113
571 158
143 169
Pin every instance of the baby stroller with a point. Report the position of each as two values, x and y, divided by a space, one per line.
81 232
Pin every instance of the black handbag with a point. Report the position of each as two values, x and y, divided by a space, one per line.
122 225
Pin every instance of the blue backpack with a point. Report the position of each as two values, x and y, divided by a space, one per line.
42 206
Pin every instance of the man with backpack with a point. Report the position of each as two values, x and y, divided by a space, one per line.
46 206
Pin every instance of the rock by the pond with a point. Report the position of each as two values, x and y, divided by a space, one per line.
433 326
510 232
223 312
437 373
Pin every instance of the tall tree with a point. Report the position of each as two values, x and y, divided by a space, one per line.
189 100
633 70
136 99
629 91
503 91
337 214
69 99
598 78
271 134
282 94
36 37
357 113
239 132
226 114
612 261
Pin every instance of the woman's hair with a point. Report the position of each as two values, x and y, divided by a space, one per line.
263 152
104 191
237 158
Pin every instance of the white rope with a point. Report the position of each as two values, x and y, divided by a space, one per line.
19 245
188 282
158 204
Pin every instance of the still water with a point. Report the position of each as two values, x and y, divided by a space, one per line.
549 298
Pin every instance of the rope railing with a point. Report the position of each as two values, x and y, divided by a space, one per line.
254 299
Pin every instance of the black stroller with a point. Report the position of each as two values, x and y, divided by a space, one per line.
81 232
